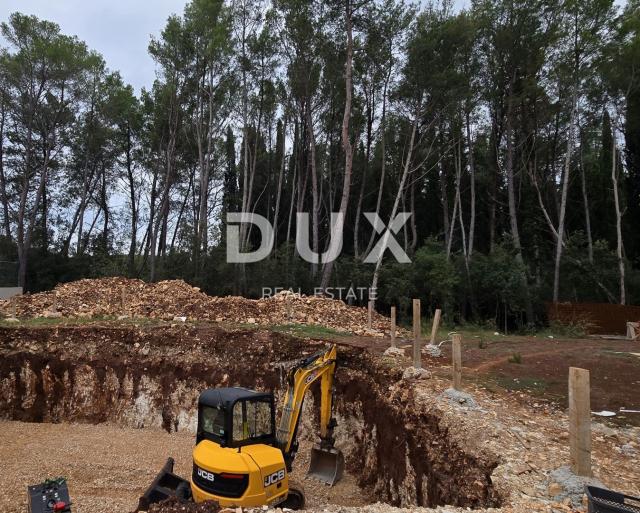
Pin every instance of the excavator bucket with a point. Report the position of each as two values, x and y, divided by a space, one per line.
166 484
327 465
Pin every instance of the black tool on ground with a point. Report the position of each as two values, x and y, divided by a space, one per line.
52 496
608 501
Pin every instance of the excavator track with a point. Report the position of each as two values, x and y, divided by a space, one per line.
295 499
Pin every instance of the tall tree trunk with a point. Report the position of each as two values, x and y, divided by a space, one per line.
465 247
105 208
494 142
25 239
383 158
293 193
585 203
616 199
134 208
245 142
412 206
183 206
158 233
563 202
283 162
399 194
6 221
315 214
365 169
513 215
472 179
348 150
445 207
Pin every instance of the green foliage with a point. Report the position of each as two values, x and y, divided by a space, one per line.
577 329
515 358
496 279
435 275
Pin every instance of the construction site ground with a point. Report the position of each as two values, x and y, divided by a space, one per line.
535 369
107 467
104 401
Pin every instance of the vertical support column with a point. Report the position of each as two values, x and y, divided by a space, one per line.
580 421
393 326
370 314
456 356
436 325
417 360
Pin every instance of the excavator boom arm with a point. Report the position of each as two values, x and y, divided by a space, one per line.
320 366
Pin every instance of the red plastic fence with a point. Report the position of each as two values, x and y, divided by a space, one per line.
596 318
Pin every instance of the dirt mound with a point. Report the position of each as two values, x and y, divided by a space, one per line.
173 505
175 298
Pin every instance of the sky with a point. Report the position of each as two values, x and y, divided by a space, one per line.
118 29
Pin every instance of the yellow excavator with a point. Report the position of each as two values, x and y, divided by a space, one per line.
241 459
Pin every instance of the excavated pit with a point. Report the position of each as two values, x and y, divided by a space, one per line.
151 376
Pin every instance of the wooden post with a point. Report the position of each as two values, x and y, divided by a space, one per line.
123 299
417 361
369 314
54 308
14 307
393 326
580 421
456 355
436 325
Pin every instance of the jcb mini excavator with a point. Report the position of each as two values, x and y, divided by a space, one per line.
241 459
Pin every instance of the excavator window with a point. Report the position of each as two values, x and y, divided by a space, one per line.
252 420
213 421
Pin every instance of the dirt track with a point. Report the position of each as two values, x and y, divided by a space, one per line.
108 467
544 367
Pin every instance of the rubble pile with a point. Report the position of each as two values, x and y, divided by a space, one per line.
114 297
167 300
287 306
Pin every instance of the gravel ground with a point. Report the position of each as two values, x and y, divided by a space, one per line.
108 467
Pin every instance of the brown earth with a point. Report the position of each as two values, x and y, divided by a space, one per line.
107 467
544 369
542 375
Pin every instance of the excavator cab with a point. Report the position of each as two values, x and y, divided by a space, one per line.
235 417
